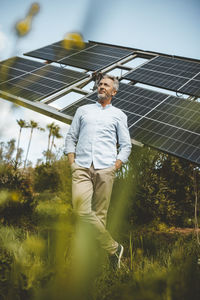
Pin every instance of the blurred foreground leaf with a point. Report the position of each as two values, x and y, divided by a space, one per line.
24 26
73 40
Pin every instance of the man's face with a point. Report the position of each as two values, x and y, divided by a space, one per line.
105 89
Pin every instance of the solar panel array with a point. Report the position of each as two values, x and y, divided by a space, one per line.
171 73
159 120
93 57
168 123
33 80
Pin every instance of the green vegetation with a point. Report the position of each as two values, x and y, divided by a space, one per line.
45 253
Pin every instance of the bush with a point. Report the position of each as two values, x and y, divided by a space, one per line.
16 196
46 177
161 189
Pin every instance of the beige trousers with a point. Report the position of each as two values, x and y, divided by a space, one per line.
91 192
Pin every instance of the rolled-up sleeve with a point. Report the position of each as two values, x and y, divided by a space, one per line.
73 134
124 139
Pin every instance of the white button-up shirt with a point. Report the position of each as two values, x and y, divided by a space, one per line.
94 134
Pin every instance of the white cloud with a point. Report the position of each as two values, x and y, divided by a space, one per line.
3 41
7 120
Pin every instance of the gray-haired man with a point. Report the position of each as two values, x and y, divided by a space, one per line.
91 145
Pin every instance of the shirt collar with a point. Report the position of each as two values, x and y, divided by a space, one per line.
105 107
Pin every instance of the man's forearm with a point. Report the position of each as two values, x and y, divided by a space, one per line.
71 157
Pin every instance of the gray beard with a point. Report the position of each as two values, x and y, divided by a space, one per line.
102 97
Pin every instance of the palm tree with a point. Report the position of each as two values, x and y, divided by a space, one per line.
33 125
10 148
22 124
55 134
50 127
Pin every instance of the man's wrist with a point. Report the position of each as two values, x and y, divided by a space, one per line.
71 158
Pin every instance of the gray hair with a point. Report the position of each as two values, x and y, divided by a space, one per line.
114 79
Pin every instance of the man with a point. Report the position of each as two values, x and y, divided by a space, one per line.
91 146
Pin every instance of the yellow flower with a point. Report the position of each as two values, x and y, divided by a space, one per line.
35 7
73 40
23 26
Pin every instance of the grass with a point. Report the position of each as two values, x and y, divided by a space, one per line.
50 257
47 265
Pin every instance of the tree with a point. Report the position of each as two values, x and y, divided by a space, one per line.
158 189
53 133
7 150
22 124
50 128
162 188
33 125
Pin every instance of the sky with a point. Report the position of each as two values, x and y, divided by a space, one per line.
171 27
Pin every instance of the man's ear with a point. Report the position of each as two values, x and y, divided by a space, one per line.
114 92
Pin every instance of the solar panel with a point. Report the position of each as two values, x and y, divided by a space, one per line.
168 123
93 57
16 66
54 52
173 140
33 80
191 88
22 64
70 111
178 112
170 73
134 101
